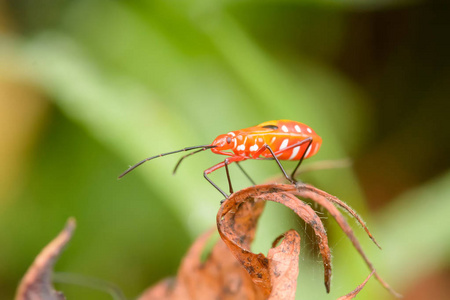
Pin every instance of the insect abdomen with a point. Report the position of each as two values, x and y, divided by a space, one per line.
287 134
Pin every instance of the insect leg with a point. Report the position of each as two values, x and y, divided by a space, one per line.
225 164
279 164
291 179
214 185
303 156
245 173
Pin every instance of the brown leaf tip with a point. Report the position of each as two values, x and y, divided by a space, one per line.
36 284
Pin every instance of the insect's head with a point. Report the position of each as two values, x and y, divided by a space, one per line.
224 141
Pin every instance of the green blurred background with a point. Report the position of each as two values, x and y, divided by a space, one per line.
89 87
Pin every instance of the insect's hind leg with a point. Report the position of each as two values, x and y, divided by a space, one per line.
279 164
301 159
298 144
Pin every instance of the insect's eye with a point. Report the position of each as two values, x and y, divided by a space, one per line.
274 127
228 139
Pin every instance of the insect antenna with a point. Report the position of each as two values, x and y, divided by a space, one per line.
204 147
184 156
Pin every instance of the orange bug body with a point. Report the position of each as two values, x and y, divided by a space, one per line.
278 135
278 140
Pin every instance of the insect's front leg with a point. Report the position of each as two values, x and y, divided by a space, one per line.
225 164
209 171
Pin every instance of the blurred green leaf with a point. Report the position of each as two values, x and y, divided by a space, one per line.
415 231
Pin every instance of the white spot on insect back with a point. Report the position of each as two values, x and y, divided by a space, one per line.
316 148
254 148
231 133
284 144
273 140
294 152
309 130
284 128
241 147
298 128
307 151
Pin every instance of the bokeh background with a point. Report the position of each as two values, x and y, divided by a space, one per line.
89 87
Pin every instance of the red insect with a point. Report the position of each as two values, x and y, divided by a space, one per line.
278 140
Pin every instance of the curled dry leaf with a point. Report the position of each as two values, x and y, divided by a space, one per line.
265 271
232 231
233 220
310 217
36 284
219 277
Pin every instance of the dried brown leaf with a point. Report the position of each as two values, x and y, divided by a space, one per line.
219 277
310 217
356 291
283 267
36 284
257 264
326 200
345 206
231 270
273 277
163 290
